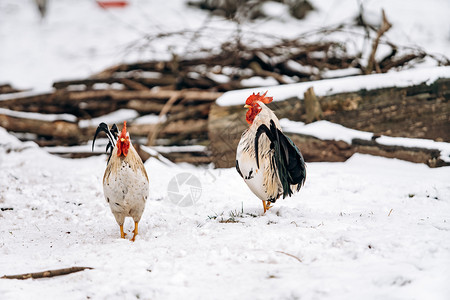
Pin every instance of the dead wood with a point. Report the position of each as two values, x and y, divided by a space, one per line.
7 89
385 26
263 73
417 112
47 274
133 85
64 131
166 108
312 106
200 111
399 62
20 99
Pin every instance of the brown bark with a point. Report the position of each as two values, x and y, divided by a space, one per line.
312 106
65 131
421 111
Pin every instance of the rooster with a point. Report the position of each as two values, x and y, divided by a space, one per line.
268 161
125 182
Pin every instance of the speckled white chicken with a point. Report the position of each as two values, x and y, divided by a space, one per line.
125 182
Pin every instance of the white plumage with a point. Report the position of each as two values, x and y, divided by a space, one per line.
125 186
262 181
268 161
125 182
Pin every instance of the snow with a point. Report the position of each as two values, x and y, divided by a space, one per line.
188 148
10 96
38 116
368 228
117 116
326 130
295 66
259 81
340 85
150 119
99 148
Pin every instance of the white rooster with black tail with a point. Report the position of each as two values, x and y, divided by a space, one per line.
125 182
268 161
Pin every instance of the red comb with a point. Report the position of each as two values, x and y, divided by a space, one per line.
257 97
124 130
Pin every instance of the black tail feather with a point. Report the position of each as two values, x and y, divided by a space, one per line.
110 134
288 158
259 131
115 131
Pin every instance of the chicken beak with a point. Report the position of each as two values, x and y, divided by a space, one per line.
247 106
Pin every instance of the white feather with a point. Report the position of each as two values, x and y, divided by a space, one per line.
262 181
125 186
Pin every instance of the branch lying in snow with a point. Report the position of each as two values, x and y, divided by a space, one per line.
293 256
46 274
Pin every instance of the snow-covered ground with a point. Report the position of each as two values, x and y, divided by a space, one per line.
369 228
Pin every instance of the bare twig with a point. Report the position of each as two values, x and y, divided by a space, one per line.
166 108
288 254
385 26
46 274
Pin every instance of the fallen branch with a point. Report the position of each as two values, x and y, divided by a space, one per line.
46 274
293 256
385 26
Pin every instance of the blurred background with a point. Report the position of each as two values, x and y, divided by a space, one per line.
162 66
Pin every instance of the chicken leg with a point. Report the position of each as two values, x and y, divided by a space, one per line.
135 231
267 205
122 234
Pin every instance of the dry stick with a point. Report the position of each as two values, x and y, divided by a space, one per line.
153 135
133 85
385 26
288 254
46 274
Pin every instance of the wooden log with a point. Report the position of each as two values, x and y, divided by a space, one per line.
316 150
416 112
121 95
159 66
186 127
7 89
62 130
190 112
150 107
24 98
431 157
132 83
